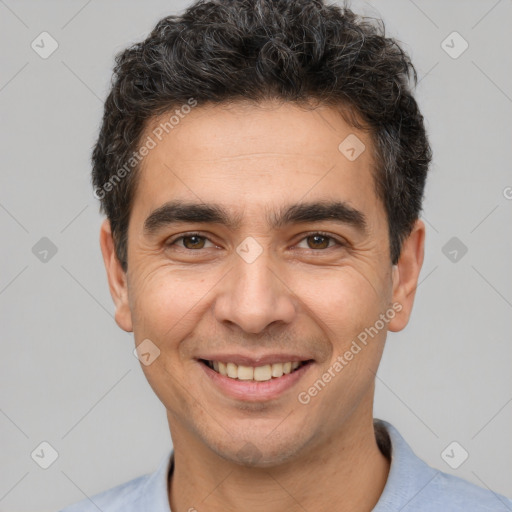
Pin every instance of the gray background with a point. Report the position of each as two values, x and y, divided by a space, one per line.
68 375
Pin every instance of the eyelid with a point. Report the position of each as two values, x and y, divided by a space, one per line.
339 242
172 240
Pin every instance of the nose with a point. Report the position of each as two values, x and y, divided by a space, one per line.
255 295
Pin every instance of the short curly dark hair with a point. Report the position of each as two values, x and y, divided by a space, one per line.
222 51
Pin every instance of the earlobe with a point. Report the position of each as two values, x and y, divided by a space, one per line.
116 278
405 275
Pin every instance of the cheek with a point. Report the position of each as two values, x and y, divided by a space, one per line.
167 305
343 299
166 301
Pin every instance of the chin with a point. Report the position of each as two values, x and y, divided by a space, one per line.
261 450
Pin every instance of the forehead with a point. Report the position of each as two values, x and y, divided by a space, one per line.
255 156
255 129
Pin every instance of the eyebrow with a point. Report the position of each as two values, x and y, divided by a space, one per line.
174 212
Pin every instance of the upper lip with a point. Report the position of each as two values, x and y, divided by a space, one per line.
261 360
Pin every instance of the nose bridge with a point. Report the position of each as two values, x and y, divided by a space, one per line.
253 295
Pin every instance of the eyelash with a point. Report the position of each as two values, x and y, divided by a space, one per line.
307 235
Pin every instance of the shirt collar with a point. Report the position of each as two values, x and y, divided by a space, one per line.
408 474
154 495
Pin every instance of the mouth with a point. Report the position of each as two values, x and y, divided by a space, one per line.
262 373
270 381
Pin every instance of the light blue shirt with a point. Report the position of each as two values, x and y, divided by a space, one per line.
412 485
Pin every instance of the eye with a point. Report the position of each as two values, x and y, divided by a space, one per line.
320 241
190 241
317 241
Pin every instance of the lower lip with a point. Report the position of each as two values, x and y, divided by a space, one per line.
254 391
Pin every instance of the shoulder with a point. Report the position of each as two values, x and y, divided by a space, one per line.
414 485
123 497
461 495
146 492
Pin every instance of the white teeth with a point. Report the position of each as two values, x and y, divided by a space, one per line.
277 370
245 372
232 369
262 373
258 373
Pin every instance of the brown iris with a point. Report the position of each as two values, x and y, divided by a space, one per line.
321 241
197 242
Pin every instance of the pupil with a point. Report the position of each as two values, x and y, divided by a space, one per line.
195 241
318 240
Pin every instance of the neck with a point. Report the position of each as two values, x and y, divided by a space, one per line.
347 469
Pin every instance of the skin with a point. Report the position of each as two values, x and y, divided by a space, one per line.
293 297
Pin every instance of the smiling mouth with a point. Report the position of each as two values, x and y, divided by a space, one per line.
258 374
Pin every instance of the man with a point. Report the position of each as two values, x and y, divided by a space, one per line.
261 165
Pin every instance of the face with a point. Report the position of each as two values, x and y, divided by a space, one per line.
255 240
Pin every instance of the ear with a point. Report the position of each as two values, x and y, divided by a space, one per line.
405 275
116 278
